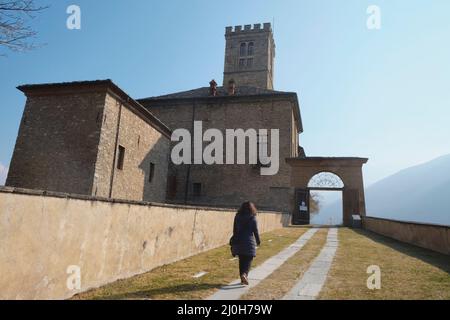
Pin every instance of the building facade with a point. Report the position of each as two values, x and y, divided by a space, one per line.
90 138
245 101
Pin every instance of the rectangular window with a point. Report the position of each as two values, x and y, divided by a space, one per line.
249 63
250 48
151 173
241 63
172 187
262 146
243 49
197 189
121 158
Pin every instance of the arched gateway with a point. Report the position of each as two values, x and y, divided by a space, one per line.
327 173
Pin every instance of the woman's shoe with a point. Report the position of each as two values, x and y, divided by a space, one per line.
244 279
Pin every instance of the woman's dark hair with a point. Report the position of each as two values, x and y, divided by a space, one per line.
247 208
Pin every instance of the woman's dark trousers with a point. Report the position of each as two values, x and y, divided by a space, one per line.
245 263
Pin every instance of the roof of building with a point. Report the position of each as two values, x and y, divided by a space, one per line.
222 93
204 92
136 107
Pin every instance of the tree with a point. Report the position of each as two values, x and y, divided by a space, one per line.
15 32
314 204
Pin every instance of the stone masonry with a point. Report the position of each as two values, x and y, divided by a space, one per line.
230 185
69 139
249 56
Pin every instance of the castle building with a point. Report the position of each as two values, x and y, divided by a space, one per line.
92 138
245 101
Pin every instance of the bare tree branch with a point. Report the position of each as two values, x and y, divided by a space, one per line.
15 32
315 204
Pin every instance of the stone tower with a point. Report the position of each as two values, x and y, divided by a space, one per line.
249 55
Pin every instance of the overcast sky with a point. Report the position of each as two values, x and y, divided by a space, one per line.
382 94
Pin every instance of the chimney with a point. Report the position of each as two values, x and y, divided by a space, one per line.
213 88
231 87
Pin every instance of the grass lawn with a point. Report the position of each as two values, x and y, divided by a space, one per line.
175 281
278 284
407 272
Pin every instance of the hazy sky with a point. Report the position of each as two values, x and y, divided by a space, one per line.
382 94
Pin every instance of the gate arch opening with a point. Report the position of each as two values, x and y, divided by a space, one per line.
327 173
325 198
325 180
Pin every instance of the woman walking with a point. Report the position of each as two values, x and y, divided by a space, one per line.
245 232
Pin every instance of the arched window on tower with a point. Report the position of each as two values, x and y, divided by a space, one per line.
243 49
250 49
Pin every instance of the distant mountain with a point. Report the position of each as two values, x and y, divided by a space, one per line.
420 193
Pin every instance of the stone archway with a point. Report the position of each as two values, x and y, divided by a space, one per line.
325 181
348 170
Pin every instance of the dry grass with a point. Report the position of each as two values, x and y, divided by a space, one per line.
407 272
175 281
278 284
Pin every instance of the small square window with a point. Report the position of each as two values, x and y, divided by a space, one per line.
197 189
121 158
151 172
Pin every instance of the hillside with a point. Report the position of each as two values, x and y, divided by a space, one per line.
420 193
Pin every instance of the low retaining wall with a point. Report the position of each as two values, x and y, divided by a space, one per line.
43 234
429 236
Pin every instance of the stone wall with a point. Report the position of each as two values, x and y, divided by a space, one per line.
56 147
230 185
69 137
143 145
429 236
42 234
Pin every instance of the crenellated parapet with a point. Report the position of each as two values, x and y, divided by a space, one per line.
249 28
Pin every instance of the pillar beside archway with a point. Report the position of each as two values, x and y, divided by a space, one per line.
348 169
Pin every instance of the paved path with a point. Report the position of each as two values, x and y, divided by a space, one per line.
310 285
235 290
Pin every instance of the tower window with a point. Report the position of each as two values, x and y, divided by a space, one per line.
250 63
121 158
241 63
243 49
250 49
151 172
197 189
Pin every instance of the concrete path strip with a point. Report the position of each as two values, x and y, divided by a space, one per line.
235 290
310 285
